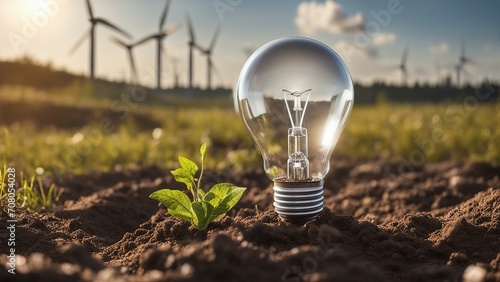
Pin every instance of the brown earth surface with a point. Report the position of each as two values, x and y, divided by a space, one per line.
383 221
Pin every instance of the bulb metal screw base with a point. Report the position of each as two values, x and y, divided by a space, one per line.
298 202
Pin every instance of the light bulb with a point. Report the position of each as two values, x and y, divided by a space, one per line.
295 95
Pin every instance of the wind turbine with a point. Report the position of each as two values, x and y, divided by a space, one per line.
208 52
129 48
162 34
402 66
462 62
94 22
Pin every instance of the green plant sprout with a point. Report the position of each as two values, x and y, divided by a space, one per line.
3 184
205 207
35 200
28 196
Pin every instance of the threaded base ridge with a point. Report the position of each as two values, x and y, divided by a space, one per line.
298 202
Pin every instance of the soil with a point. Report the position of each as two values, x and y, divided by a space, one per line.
382 221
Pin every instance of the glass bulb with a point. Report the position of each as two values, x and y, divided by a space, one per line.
295 95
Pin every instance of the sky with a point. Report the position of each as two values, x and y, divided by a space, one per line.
370 36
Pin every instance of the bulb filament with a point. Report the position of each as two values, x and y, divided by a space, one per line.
298 163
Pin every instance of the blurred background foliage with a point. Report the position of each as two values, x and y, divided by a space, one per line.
64 124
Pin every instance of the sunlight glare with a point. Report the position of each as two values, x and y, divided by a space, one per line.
31 5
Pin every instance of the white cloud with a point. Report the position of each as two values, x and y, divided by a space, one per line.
328 16
439 48
346 50
383 38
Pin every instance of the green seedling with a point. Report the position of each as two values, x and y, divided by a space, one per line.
28 196
3 184
35 200
205 207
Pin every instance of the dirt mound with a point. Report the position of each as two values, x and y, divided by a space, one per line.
382 222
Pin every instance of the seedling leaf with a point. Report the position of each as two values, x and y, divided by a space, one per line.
177 203
183 176
188 165
203 212
203 151
223 197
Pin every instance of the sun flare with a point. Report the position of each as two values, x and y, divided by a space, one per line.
30 5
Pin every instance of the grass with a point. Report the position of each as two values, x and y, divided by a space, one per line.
416 133
424 132
3 184
36 198
77 151
31 197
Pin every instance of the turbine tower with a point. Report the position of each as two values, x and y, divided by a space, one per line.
162 34
402 67
458 69
94 21
176 72
208 53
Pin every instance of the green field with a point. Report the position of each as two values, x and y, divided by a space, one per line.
416 133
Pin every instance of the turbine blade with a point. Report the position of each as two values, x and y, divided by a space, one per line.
215 70
471 61
164 15
405 56
89 9
389 67
214 39
118 41
190 28
144 40
110 25
200 48
132 65
79 42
